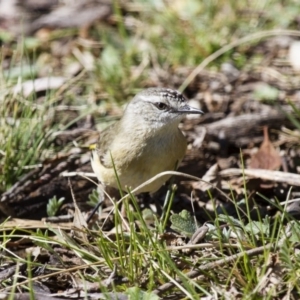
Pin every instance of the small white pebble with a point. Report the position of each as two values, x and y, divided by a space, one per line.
294 55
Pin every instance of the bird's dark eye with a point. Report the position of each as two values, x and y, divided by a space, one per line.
161 105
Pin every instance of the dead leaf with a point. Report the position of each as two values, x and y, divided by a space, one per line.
267 156
209 176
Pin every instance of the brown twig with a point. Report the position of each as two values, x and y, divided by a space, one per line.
212 265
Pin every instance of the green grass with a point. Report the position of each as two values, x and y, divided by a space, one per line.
152 44
143 257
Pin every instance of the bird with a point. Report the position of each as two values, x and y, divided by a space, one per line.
144 142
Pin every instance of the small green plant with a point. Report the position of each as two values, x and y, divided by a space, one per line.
94 197
183 223
54 205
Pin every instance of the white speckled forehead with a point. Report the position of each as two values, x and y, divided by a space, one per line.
159 93
154 98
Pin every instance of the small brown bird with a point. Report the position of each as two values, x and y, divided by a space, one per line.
144 142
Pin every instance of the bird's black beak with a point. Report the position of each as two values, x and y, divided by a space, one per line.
186 109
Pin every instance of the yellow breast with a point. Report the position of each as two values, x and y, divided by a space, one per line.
136 163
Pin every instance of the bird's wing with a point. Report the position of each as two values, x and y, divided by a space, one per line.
104 144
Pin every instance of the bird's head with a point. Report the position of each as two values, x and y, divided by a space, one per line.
158 107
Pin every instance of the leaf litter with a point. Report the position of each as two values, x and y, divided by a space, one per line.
245 148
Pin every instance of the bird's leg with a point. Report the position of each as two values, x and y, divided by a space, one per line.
100 190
